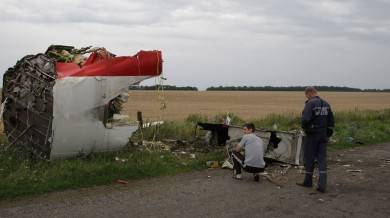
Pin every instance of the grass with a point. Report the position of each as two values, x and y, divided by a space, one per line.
353 128
184 130
21 177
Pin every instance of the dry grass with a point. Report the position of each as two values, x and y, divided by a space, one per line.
244 104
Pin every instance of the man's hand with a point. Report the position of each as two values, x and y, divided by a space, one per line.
237 148
329 132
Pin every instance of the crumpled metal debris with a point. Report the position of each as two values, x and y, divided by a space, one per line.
212 164
385 160
286 168
28 100
227 165
68 54
121 160
176 147
154 146
354 171
123 182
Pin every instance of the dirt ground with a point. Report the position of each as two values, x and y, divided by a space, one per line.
244 104
213 193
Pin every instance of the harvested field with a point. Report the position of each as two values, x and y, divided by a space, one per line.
244 104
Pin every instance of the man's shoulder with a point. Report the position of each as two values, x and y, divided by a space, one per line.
254 138
325 102
314 100
251 135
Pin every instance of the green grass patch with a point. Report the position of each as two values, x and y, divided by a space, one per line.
20 177
353 128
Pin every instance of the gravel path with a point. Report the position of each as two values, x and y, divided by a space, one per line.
213 193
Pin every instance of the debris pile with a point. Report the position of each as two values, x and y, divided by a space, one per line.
180 148
70 54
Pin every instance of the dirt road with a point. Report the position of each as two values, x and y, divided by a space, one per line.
213 193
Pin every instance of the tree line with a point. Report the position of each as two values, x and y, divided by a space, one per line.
258 88
292 88
165 87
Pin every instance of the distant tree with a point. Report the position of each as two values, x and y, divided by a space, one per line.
292 88
165 87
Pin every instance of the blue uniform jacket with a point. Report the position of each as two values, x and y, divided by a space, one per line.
317 115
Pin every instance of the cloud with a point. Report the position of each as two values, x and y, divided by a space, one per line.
299 18
212 39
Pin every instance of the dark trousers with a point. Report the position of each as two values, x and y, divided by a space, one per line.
238 164
315 148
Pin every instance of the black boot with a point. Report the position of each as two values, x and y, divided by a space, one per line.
322 183
304 185
308 182
322 190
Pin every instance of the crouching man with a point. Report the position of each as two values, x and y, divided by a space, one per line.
253 160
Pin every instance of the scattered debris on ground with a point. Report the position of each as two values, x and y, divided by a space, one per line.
123 182
121 160
212 164
355 171
227 165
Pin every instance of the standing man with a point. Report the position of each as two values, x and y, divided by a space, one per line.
253 161
318 123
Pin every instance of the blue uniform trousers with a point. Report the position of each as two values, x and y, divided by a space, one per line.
315 148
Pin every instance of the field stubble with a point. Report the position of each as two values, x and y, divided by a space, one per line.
247 105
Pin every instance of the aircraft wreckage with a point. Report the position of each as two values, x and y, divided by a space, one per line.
283 146
64 102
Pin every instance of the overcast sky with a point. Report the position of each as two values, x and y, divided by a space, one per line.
210 43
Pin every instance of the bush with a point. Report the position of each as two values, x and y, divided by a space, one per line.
168 130
196 118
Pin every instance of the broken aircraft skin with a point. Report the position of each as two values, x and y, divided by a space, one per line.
283 146
58 108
